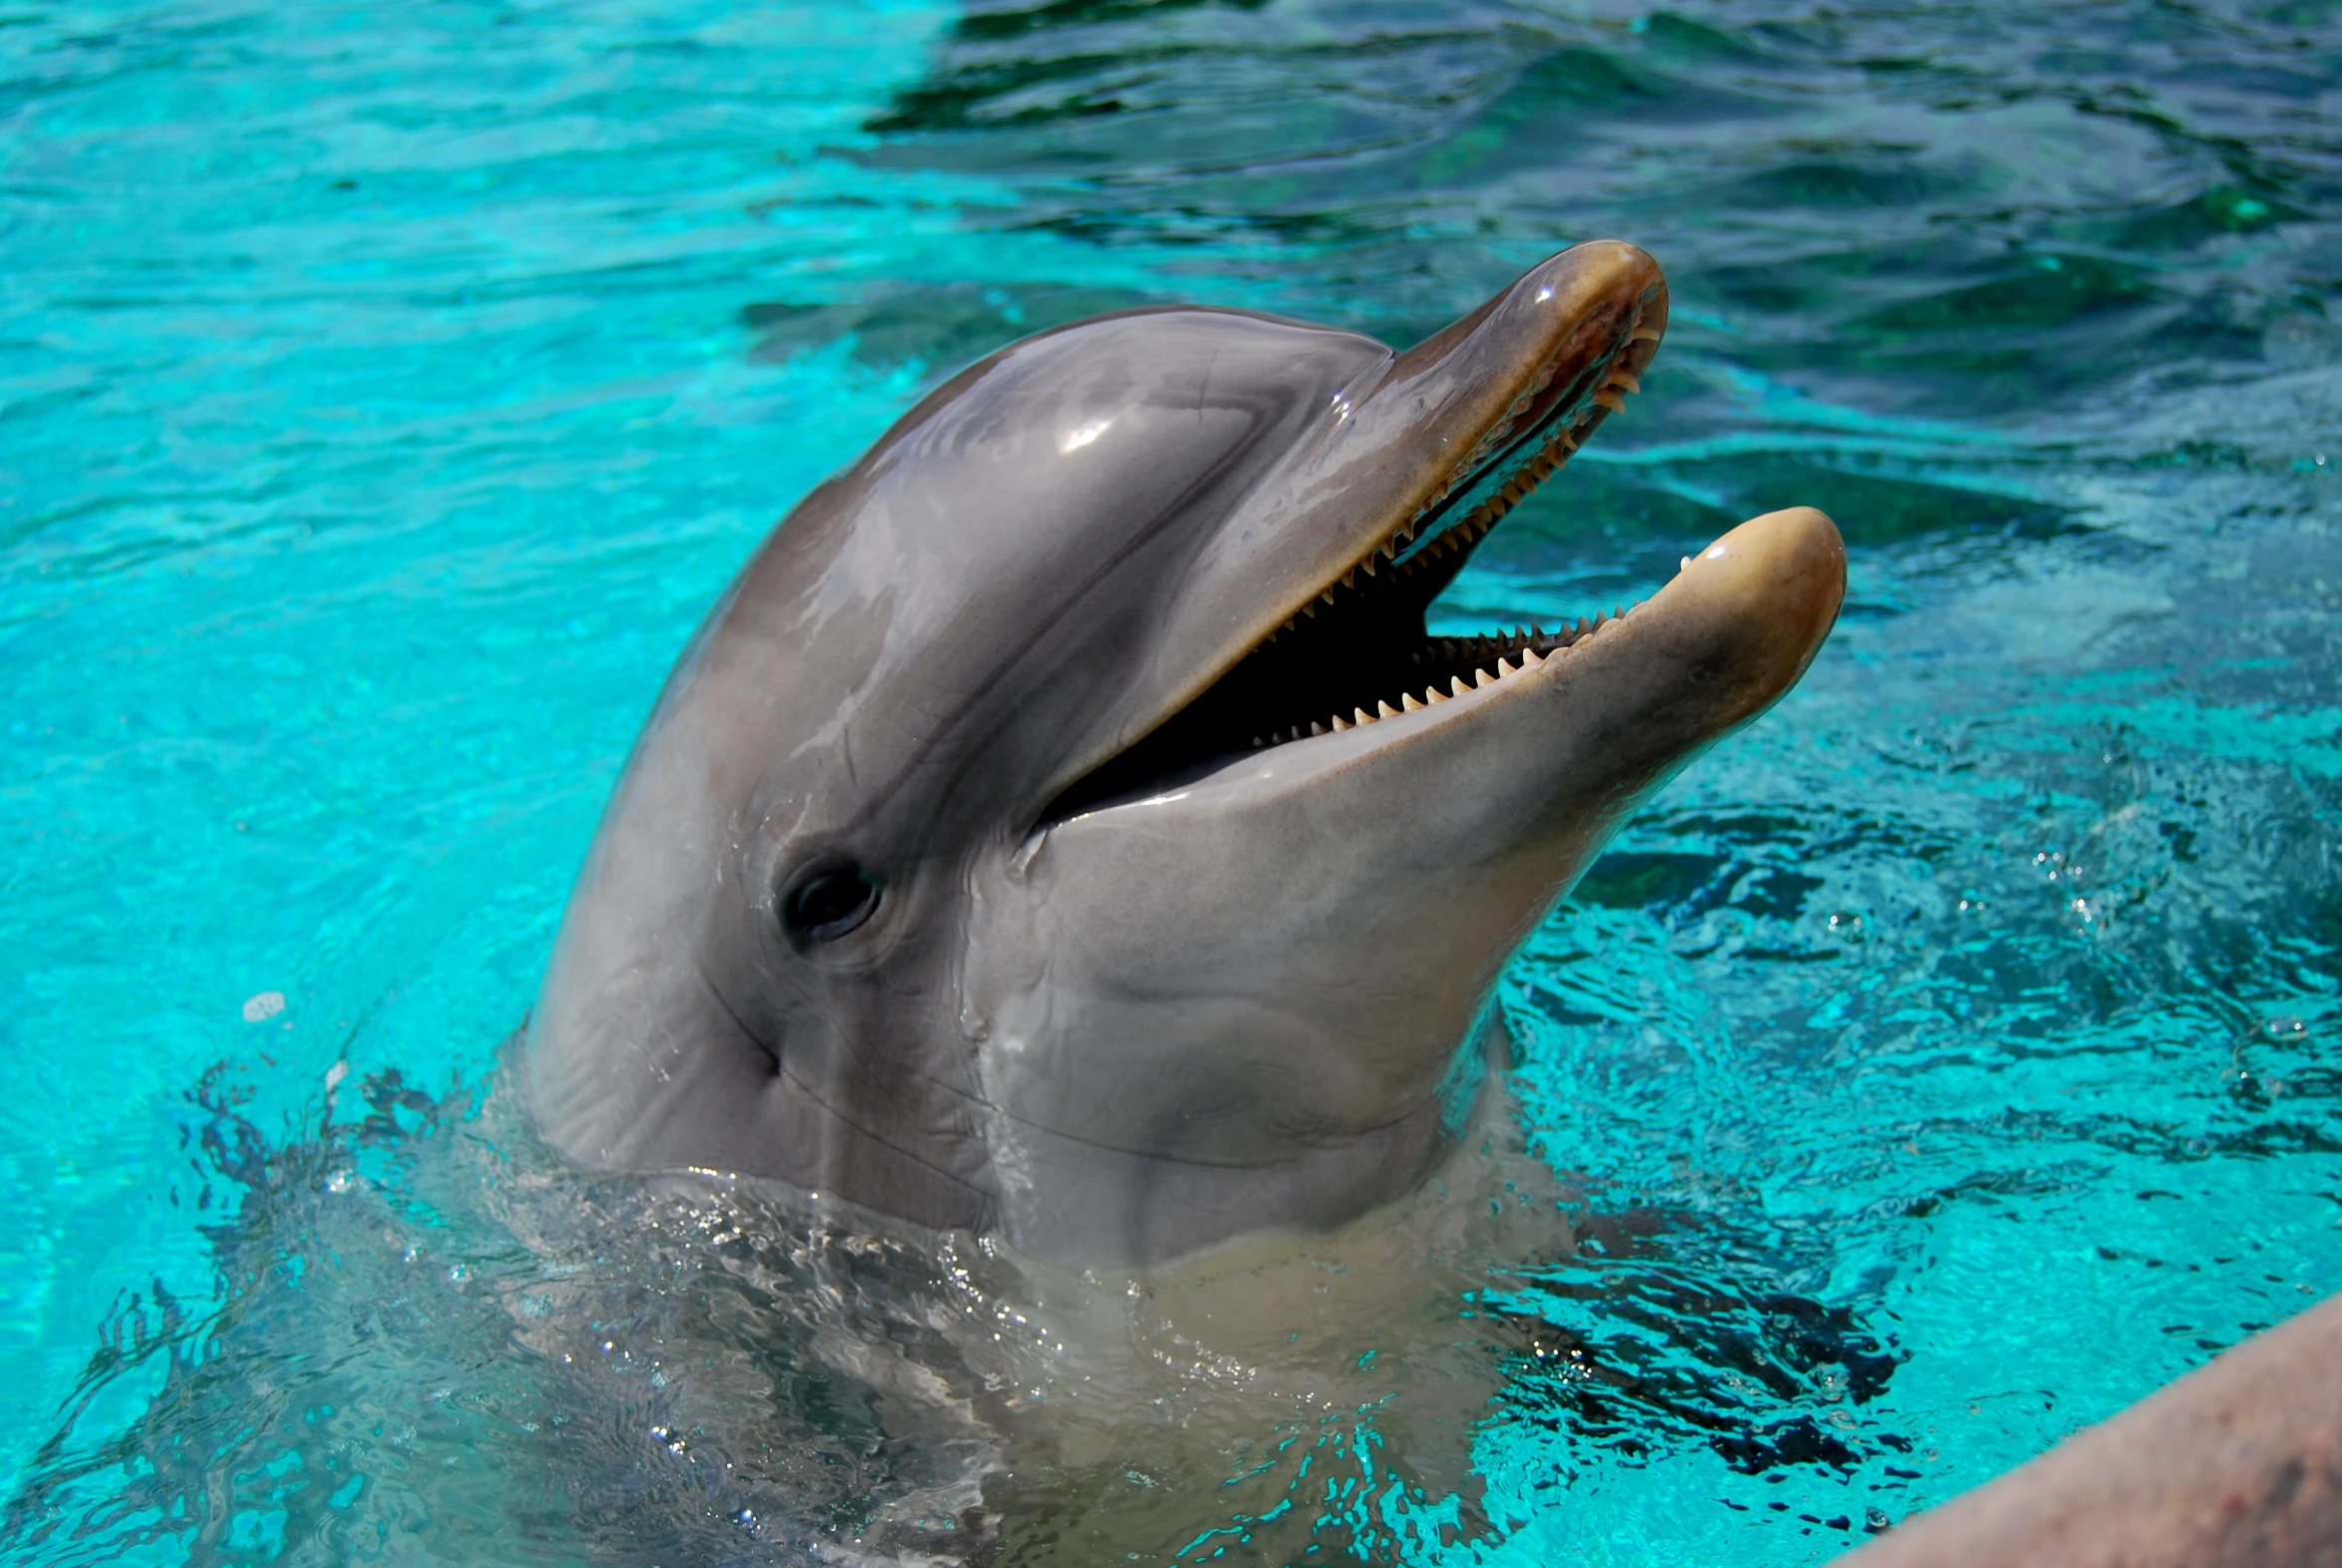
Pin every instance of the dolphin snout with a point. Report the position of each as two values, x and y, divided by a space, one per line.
1747 614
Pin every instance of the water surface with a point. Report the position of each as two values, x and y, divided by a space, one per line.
386 390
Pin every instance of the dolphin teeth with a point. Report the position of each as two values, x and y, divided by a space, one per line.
1434 694
1609 399
1366 565
1483 678
1384 710
1317 728
1625 380
1311 610
1455 684
1349 580
1340 725
1408 704
1326 596
1507 667
1644 334
1361 716
1530 658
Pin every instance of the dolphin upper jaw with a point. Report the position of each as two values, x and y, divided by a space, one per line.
1400 471
1101 668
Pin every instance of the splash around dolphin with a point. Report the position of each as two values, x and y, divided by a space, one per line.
1065 827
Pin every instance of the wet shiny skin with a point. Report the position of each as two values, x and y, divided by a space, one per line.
1941 1065
1168 1020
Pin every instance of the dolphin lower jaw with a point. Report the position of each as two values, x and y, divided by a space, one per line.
1290 947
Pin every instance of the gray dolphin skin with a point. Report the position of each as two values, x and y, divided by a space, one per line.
1064 827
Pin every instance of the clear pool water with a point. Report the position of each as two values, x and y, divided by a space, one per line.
384 391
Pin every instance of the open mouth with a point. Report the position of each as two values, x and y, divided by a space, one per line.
1355 651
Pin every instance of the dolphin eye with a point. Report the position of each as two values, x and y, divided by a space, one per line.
829 902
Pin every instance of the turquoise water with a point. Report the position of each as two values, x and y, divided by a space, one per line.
384 393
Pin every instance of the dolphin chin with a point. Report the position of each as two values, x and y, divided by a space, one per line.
1064 826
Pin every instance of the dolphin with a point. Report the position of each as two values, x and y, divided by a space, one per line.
1064 827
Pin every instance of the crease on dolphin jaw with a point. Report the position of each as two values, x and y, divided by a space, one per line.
1355 651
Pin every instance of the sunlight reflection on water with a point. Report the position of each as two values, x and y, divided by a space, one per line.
1934 1067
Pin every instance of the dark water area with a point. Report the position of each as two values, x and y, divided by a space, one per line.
1936 1067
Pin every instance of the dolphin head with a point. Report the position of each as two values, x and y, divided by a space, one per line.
1064 826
